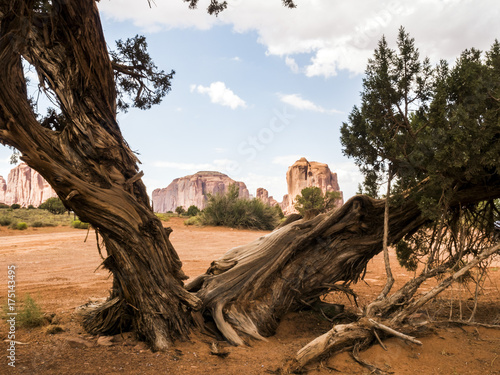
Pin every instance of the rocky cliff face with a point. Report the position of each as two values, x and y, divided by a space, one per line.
3 189
193 190
26 187
263 195
304 174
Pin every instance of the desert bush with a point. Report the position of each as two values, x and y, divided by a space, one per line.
193 210
162 216
13 224
78 224
21 226
180 210
193 220
30 314
15 206
3 205
230 211
5 221
31 207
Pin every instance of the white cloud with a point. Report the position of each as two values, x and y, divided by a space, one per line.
220 94
286 160
290 62
296 101
236 58
337 35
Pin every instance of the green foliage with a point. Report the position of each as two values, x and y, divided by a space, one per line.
21 226
193 210
30 314
78 224
436 129
31 207
180 210
163 217
312 202
279 211
3 205
439 124
194 220
54 206
15 206
137 77
231 211
406 256
5 221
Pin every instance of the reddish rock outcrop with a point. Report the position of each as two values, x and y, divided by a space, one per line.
3 189
193 190
263 195
25 186
304 174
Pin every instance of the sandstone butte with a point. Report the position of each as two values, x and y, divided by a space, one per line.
193 190
25 186
304 174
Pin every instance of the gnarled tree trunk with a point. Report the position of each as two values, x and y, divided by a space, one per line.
88 163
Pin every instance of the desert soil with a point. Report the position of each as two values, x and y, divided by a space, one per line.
59 268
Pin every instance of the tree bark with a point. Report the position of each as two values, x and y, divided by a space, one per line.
89 164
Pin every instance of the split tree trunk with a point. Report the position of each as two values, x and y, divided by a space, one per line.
89 164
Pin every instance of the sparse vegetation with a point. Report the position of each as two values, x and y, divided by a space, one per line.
193 220
30 314
78 224
35 218
15 206
164 216
230 211
54 206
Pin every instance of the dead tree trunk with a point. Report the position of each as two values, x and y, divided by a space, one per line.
88 163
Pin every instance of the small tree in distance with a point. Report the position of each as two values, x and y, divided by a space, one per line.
312 202
54 206
193 210
180 210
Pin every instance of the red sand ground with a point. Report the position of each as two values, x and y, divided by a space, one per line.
61 272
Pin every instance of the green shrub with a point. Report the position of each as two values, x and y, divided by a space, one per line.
38 224
193 210
78 224
13 224
193 220
180 210
228 210
21 225
15 206
54 206
3 205
30 314
163 217
31 207
5 221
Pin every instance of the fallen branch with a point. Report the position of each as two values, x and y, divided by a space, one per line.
393 332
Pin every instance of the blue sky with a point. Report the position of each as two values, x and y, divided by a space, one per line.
261 86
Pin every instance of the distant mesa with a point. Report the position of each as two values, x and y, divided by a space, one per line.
193 190
25 186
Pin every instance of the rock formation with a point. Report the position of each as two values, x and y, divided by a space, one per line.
193 190
25 186
304 174
263 195
3 189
